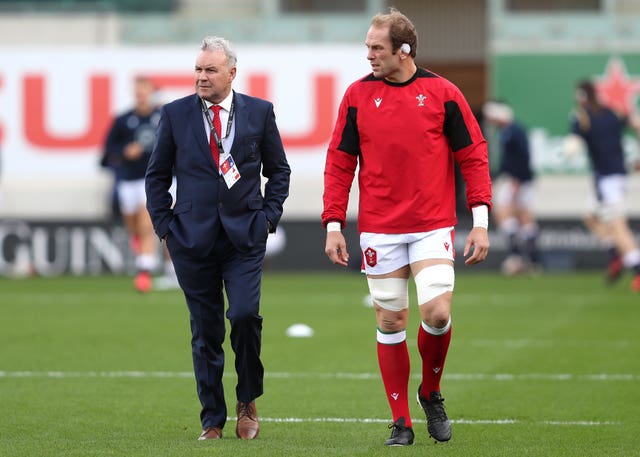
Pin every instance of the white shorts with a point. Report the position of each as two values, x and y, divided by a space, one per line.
611 189
510 192
131 195
610 195
384 253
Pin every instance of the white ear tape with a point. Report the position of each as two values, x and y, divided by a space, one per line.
405 48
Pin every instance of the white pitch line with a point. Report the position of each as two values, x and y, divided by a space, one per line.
96 374
370 420
310 375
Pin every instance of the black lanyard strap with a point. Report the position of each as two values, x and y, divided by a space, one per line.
232 111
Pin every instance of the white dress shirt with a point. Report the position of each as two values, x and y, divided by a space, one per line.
227 142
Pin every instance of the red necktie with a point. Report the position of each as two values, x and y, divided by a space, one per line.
212 141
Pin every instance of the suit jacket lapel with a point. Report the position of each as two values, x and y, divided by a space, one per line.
196 122
240 122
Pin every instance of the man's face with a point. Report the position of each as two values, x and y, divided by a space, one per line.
384 63
580 96
213 77
144 91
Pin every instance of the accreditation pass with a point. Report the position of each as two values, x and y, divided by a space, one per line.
229 170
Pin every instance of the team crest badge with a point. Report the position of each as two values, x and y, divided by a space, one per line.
421 98
371 257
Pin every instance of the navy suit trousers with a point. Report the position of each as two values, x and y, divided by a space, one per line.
202 280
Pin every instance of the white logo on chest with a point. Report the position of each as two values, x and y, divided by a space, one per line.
377 101
421 98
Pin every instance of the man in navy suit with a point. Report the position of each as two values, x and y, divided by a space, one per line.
217 230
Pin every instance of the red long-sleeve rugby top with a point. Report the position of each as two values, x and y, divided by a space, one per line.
405 138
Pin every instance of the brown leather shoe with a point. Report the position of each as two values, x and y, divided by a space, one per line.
210 433
247 427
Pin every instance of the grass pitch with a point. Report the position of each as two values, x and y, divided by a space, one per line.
544 366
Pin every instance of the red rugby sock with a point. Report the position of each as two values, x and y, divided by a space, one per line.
395 368
433 350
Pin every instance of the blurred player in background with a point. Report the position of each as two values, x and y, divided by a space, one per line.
602 130
127 150
405 127
513 199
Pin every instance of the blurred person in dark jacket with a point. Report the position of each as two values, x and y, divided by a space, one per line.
601 129
127 150
514 193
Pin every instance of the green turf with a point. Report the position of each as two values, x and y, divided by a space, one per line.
545 366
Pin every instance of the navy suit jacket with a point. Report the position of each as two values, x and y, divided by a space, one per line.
204 204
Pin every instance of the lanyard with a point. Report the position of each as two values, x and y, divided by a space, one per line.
213 130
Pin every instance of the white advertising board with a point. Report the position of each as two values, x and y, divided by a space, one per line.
56 105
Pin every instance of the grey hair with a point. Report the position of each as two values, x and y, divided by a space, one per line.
213 43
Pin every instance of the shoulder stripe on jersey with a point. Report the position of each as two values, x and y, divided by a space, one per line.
350 141
455 128
422 73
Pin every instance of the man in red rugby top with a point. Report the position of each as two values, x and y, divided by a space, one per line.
405 126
